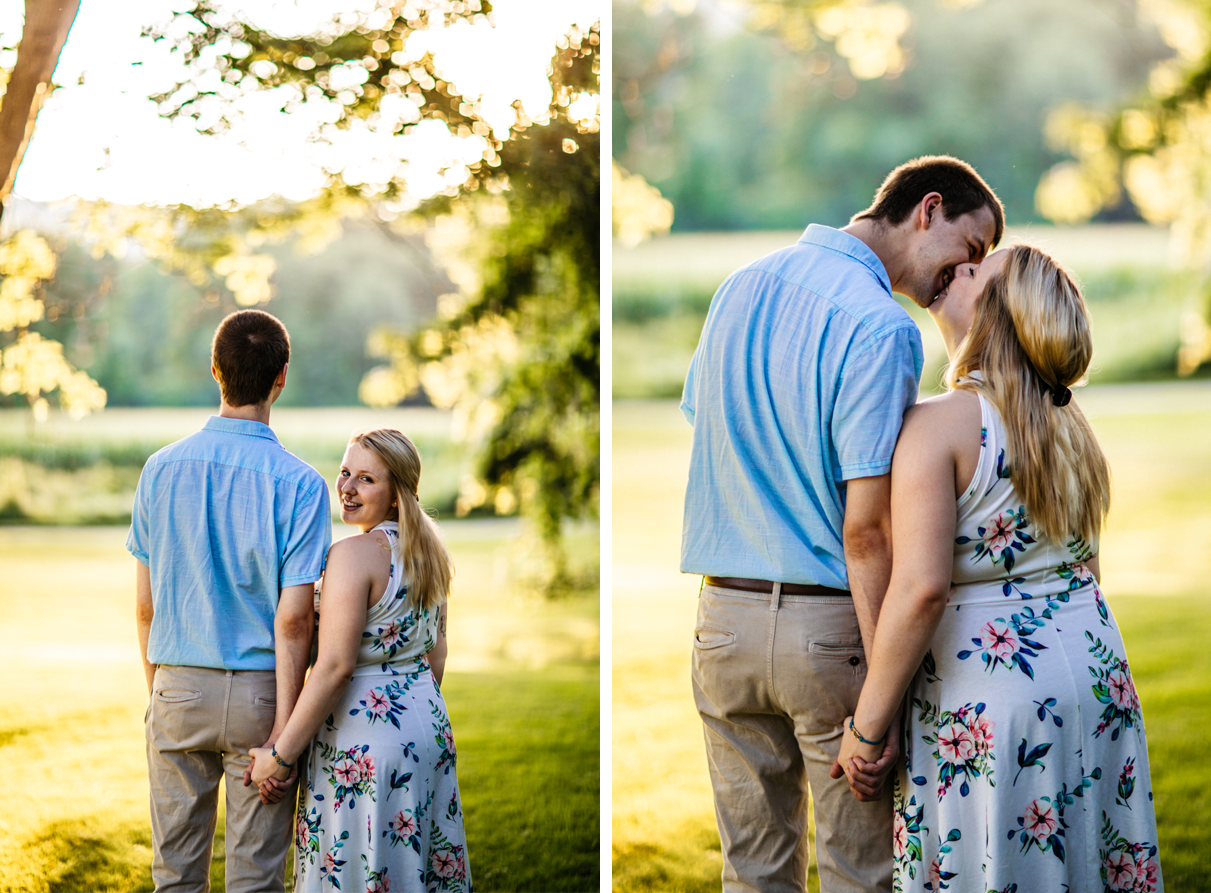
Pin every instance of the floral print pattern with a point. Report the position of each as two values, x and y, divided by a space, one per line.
1024 742
379 788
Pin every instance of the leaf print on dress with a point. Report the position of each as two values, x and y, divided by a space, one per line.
962 741
391 638
1004 536
447 868
1113 687
332 865
307 834
1005 643
376 881
1126 865
1042 825
906 839
350 772
938 875
445 740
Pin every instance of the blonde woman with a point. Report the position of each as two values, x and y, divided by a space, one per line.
379 808
1025 766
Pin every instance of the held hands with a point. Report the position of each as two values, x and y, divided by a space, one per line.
272 779
865 765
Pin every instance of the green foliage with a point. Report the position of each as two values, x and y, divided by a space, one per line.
531 317
740 131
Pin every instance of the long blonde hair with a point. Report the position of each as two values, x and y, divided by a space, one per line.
424 557
1031 342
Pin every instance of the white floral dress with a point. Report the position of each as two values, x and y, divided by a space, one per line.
379 807
1026 769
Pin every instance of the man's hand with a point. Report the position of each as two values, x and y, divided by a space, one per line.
866 775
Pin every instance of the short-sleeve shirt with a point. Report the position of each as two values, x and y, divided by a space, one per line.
805 367
225 519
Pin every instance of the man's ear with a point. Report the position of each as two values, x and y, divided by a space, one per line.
928 209
280 381
214 372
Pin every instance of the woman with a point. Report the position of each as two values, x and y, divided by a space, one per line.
1025 766
380 804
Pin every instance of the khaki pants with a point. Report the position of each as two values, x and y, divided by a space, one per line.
200 725
774 677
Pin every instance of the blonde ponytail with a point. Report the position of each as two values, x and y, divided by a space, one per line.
424 557
1031 342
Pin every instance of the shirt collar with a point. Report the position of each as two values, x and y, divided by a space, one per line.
241 426
836 240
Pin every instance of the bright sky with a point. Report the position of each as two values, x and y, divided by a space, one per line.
102 138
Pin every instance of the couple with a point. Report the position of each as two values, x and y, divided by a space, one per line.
982 664
231 534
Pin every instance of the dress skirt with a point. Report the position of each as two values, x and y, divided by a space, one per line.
379 808
1026 766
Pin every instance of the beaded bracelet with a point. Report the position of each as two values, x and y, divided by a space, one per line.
274 750
858 734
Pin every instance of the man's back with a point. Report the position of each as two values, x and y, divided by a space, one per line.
804 369
225 519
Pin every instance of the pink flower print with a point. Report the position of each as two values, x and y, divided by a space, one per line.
329 861
403 825
998 535
1120 871
935 873
365 767
996 637
300 830
981 732
393 635
955 744
899 835
1147 874
377 703
444 863
347 772
1122 692
1041 820
448 739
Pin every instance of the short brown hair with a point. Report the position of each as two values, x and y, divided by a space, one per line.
249 350
961 188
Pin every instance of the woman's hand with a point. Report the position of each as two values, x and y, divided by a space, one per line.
864 765
264 767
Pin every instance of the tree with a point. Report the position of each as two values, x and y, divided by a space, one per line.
31 365
516 351
1156 149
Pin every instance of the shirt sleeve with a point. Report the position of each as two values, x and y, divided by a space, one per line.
879 383
309 539
687 392
138 540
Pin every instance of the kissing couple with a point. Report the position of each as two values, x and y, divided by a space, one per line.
900 609
231 534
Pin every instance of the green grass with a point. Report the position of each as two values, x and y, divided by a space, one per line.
521 686
1156 563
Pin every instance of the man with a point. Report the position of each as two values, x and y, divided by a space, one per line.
796 392
230 532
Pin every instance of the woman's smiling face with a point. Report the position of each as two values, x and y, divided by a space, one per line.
954 310
364 489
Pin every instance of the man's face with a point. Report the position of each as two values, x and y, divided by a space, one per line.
942 245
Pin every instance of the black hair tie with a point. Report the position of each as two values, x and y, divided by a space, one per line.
1061 395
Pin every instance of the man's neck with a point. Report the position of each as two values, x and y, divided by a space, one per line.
884 241
253 412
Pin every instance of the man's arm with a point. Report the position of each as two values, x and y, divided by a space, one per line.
866 535
144 611
293 625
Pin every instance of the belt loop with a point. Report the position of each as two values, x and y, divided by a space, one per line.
775 598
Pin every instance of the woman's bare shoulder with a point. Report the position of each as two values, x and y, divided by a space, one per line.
361 549
944 417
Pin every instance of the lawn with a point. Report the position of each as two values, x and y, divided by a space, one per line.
522 687
1156 559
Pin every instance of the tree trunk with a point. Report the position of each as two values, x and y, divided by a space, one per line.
46 25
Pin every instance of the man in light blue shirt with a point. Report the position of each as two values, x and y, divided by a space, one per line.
230 532
796 392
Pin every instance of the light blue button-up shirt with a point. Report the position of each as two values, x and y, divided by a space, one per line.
225 519
805 367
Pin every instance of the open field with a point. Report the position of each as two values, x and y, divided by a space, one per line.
84 472
662 289
1156 560
521 684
